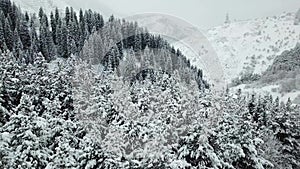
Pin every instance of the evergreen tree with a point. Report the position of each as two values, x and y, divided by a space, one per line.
8 35
227 20
297 18
2 36
53 27
24 34
67 16
41 15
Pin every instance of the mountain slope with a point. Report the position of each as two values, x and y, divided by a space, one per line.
288 61
251 46
49 5
281 79
189 39
227 51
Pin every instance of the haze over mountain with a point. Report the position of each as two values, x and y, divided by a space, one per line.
197 12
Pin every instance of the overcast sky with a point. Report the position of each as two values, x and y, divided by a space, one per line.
203 13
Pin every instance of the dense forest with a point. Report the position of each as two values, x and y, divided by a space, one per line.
81 92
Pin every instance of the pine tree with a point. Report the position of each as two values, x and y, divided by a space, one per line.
2 36
53 27
41 14
24 34
34 39
227 20
27 18
8 35
297 18
63 50
67 16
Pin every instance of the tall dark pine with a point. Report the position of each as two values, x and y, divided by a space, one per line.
24 34
68 15
46 42
41 14
8 35
62 35
27 18
2 37
99 21
34 38
14 16
53 27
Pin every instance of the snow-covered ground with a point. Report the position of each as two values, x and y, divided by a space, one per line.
252 45
272 89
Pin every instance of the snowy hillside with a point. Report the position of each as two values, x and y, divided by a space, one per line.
229 50
49 5
189 39
251 46
282 78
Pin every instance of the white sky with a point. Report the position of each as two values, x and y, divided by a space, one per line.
201 13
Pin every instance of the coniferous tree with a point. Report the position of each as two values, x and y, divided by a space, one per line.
27 18
2 36
297 18
24 34
41 14
53 27
8 35
67 16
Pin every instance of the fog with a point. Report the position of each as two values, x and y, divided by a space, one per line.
202 13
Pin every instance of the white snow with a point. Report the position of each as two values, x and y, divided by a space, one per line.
252 45
272 89
33 6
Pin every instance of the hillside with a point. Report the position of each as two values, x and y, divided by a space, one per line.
281 79
49 5
250 46
189 39
231 50
288 61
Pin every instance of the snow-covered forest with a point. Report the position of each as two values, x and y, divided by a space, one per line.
78 91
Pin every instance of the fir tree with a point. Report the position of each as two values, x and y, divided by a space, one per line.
8 35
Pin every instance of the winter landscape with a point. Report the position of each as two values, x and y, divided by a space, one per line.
101 85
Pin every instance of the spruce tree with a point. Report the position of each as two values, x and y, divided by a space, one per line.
2 36
24 34
8 35
53 27
67 15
